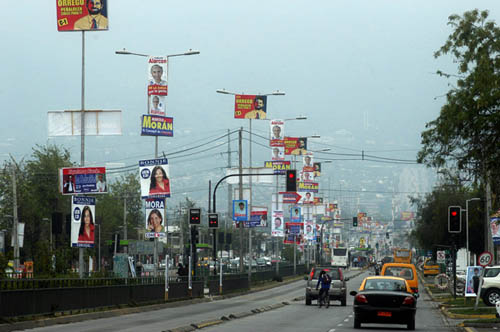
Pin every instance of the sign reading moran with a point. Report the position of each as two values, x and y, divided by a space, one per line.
308 186
279 167
154 125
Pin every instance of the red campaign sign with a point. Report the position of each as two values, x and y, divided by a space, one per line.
290 197
78 15
250 107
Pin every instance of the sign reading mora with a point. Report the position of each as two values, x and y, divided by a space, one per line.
155 217
154 177
82 180
155 125
82 221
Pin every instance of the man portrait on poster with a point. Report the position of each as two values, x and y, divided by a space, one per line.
301 148
95 20
259 108
278 153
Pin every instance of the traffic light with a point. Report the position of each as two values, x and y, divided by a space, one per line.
354 221
291 180
454 219
213 220
194 216
194 235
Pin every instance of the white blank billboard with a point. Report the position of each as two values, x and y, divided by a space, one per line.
97 122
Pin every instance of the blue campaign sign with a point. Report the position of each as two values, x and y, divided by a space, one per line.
295 214
240 210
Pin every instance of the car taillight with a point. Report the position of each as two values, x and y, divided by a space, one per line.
409 300
341 275
415 290
311 275
360 298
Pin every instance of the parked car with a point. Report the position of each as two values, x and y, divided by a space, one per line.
405 271
384 300
431 268
490 291
337 292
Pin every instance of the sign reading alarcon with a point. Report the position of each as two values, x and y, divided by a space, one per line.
78 15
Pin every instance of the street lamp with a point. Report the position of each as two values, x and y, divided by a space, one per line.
125 52
467 224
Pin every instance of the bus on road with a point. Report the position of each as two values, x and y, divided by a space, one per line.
402 255
340 257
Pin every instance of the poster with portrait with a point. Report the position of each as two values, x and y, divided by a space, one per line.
309 230
82 180
307 197
82 15
154 177
157 76
293 232
307 163
240 210
157 105
155 218
295 145
82 221
295 214
277 133
258 217
317 169
250 107
306 177
495 229
277 153
472 280
277 225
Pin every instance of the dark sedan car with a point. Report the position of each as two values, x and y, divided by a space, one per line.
384 300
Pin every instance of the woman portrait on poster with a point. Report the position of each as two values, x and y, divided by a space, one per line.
86 232
160 184
155 221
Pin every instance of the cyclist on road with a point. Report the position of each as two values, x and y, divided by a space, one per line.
325 281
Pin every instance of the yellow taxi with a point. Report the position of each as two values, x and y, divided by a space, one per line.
430 267
402 270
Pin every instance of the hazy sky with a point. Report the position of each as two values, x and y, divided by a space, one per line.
362 68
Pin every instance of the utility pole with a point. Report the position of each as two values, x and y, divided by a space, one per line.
125 250
240 193
15 223
81 264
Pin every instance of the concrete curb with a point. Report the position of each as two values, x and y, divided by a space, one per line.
448 314
207 323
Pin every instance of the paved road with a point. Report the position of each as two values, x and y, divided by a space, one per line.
294 316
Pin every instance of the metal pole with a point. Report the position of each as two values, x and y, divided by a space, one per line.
15 222
250 209
295 254
467 229
82 141
166 277
99 249
240 224
125 222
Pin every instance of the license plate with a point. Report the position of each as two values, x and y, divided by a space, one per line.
384 313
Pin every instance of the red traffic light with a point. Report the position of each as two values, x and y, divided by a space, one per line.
453 213
291 175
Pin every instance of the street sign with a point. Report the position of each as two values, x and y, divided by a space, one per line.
485 259
290 197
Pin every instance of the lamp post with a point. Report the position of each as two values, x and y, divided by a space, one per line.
50 228
125 52
467 225
274 93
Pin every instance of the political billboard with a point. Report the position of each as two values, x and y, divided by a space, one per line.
157 76
277 153
250 107
157 105
82 221
82 180
240 210
258 217
156 125
277 227
279 167
82 15
155 217
154 177
295 145
295 215
277 133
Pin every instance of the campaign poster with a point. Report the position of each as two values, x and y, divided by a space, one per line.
307 198
154 177
295 145
156 125
307 186
82 180
317 169
295 214
258 217
293 232
306 176
277 227
82 221
155 217
250 107
472 280
309 228
157 76
279 167
240 210
82 15
307 163
157 105
277 153
495 229
277 133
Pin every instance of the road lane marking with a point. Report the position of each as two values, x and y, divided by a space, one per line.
346 320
